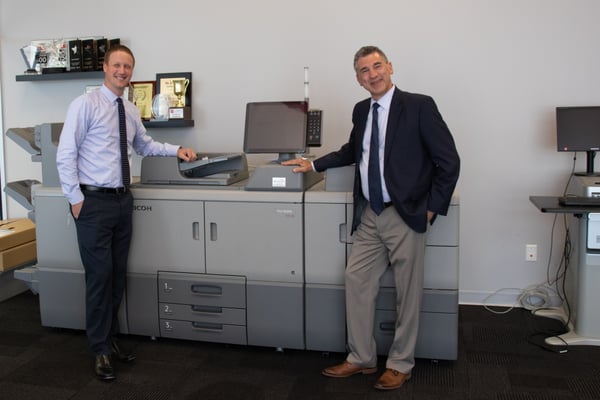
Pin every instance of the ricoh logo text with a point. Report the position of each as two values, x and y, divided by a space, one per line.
142 207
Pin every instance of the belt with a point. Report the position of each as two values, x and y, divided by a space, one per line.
99 189
388 204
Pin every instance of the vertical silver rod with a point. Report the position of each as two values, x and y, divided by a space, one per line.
306 84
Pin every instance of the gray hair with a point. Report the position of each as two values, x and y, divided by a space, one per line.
365 51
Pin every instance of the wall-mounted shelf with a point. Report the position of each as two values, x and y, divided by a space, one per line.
61 76
172 123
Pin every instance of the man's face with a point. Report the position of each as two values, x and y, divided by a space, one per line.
117 71
374 73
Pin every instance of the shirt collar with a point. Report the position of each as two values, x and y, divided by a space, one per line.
385 100
109 94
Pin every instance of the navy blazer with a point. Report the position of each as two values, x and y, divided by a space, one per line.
421 163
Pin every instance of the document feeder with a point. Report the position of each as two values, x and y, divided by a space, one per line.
209 169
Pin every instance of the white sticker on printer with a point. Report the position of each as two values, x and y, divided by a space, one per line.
278 181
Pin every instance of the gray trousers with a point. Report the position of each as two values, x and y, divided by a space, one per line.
380 242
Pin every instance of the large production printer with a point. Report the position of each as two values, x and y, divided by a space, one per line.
222 258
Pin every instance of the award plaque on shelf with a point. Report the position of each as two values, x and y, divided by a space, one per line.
44 47
143 94
74 55
30 56
89 47
88 54
179 87
101 48
161 103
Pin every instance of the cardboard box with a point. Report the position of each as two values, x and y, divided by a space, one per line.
17 243
14 232
18 255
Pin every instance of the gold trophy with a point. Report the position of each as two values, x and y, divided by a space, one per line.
179 88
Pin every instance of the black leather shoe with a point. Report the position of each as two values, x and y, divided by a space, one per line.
121 355
104 369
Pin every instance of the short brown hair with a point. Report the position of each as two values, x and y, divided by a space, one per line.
117 47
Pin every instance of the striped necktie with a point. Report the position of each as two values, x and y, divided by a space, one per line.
374 174
123 143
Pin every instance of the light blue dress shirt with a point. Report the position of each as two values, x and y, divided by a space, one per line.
88 150
382 113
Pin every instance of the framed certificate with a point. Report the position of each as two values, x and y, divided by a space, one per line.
143 93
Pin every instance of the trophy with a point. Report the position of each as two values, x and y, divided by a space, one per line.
30 55
179 109
179 88
162 106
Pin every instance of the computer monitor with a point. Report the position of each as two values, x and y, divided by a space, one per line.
276 127
578 129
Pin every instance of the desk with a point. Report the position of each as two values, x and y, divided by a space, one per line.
550 204
585 328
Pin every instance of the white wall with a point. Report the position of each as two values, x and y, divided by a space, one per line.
497 70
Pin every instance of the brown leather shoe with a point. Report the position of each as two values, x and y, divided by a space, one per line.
391 379
347 369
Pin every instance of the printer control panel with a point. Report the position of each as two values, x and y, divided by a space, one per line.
313 128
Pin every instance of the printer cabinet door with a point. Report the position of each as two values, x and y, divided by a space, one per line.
168 235
261 241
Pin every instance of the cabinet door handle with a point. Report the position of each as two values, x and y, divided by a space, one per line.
387 326
207 327
213 231
343 233
196 230
207 290
207 310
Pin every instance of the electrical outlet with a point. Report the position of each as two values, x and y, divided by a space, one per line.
531 252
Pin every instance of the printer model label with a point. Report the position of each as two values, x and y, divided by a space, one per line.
278 181
286 212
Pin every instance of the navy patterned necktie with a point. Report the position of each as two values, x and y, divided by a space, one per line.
374 174
123 143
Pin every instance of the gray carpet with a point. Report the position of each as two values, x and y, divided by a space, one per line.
500 358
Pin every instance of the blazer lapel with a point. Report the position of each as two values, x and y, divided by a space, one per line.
396 109
363 114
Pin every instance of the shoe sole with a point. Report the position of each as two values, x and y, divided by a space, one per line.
381 387
364 371
126 360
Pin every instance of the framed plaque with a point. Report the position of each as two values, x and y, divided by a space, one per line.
143 93
178 84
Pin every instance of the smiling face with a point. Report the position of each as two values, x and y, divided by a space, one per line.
118 68
374 73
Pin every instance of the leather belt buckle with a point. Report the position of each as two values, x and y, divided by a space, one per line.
98 189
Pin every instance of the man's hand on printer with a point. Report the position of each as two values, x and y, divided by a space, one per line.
303 165
187 154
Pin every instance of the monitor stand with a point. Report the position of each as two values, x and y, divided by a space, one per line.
590 155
